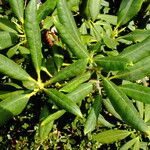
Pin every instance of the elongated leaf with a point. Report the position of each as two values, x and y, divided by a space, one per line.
91 8
110 136
93 115
120 102
110 42
103 122
76 82
45 9
137 35
44 130
129 144
138 71
11 94
13 70
12 51
75 46
32 30
80 92
111 63
18 8
11 39
66 19
137 51
52 117
63 101
147 113
127 10
108 18
74 69
111 109
12 106
137 92
7 25
137 144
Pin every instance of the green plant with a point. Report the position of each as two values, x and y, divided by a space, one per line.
83 62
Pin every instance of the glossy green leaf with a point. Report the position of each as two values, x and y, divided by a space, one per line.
18 8
11 39
80 92
137 92
7 25
129 144
53 117
62 101
12 69
137 51
23 50
147 113
33 34
12 51
45 9
91 8
108 18
111 109
73 84
11 94
44 130
137 144
74 69
121 104
103 122
110 136
128 9
93 114
111 63
137 35
110 42
138 71
12 106
66 19
75 46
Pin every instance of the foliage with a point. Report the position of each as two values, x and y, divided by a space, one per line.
78 71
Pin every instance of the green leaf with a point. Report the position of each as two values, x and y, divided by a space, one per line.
147 113
111 109
10 68
70 86
45 9
110 42
137 51
12 106
74 69
33 34
91 8
103 122
121 104
137 92
93 114
137 144
108 18
62 101
138 71
53 117
7 25
111 63
11 39
137 35
23 50
129 144
66 19
75 46
128 9
12 51
18 8
110 136
80 92
11 94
